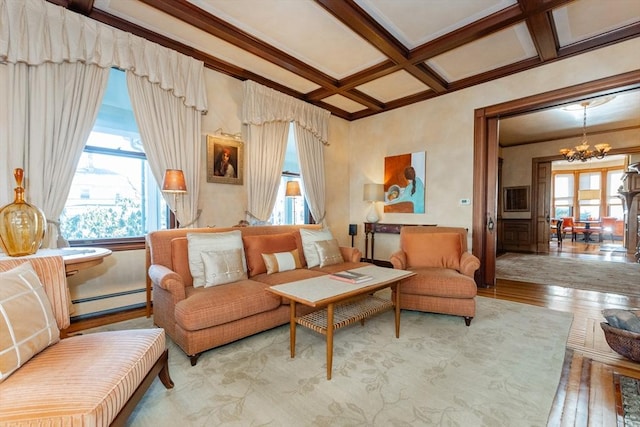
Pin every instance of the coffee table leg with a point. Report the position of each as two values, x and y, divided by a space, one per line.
397 307
292 328
329 340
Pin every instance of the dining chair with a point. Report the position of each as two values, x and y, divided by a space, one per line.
608 225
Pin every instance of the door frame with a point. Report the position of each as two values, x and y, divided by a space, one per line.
485 157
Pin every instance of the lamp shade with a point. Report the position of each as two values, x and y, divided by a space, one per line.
293 189
588 194
373 193
174 181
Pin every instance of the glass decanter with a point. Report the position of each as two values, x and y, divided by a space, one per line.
22 225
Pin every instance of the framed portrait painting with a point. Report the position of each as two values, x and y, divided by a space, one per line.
404 179
225 161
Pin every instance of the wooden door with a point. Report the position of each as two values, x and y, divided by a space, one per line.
541 212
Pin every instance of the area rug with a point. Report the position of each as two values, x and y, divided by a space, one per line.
627 400
612 277
503 370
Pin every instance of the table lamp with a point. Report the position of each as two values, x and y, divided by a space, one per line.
373 193
174 183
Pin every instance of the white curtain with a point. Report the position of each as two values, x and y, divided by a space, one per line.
266 148
60 102
170 134
267 114
44 133
311 157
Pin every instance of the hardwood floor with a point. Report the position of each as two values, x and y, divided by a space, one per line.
587 392
587 395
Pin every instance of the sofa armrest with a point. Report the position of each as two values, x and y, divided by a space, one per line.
469 263
399 260
168 280
350 254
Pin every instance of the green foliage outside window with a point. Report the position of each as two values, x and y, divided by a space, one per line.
123 219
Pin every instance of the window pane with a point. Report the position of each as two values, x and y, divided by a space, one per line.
289 210
563 186
589 181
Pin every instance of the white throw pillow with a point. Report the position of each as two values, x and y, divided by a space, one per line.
222 267
27 322
207 242
309 237
281 261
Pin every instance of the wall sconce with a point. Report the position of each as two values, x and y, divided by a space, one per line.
174 182
373 193
293 190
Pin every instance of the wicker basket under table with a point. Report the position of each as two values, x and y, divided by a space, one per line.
623 342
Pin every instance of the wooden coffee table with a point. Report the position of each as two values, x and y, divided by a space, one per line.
340 304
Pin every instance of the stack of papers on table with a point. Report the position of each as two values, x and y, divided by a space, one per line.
350 276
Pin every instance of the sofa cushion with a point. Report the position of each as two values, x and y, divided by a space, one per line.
309 237
282 261
84 380
328 252
439 282
27 322
204 242
432 249
255 246
216 305
222 267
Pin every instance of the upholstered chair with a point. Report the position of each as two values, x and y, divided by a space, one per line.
92 379
444 281
608 224
568 227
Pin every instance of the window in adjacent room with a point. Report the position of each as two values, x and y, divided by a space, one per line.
286 207
113 197
589 195
614 203
563 195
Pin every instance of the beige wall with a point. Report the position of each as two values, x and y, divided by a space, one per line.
443 127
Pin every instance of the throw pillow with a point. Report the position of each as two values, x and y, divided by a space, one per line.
309 237
328 252
257 245
206 242
282 261
622 319
222 267
27 322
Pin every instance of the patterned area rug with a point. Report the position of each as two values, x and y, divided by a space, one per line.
627 400
613 277
503 370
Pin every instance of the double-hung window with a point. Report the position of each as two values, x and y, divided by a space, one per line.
114 198
290 210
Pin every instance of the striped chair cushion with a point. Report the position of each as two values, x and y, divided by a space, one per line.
84 380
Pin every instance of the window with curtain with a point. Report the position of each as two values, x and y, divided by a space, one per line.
288 209
114 196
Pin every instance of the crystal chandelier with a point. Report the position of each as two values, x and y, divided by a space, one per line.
583 151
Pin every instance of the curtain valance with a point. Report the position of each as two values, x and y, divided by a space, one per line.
36 32
262 105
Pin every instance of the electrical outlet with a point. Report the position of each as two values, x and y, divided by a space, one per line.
465 202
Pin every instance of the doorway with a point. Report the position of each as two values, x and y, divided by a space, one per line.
484 240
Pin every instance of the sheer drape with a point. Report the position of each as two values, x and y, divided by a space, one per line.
61 102
55 68
264 108
170 134
311 157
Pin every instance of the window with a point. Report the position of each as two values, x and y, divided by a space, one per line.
290 210
589 195
113 194
614 203
563 195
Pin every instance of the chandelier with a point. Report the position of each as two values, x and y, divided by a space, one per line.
583 151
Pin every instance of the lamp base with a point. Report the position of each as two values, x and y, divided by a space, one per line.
372 215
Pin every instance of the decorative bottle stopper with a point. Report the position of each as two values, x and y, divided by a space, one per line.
22 225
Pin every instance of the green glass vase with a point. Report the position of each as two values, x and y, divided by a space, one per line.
22 225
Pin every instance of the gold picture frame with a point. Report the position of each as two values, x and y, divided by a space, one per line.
225 160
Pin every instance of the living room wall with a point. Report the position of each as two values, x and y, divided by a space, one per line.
444 126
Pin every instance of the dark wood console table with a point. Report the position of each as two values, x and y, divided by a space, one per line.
377 227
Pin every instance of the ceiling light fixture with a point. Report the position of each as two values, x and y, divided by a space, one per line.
583 152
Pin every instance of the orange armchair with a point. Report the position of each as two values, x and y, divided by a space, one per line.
444 271
568 227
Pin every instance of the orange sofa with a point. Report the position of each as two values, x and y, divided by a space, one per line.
201 318
444 271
